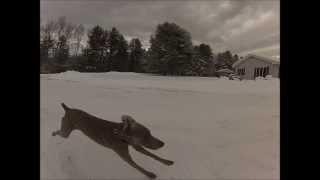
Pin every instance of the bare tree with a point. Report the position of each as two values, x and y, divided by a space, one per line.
78 34
47 42
64 29
48 29
61 25
55 30
69 30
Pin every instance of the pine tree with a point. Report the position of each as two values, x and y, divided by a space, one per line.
96 51
229 59
118 51
203 61
171 50
135 57
235 58
225 60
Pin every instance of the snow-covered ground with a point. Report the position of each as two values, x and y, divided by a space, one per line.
213 128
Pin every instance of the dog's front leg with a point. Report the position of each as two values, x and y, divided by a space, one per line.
64 134
56 133
144 151
124 154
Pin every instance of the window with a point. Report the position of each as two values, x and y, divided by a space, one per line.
265 71
261 72
256 72
241 71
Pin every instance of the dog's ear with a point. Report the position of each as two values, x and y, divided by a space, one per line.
66 108
128 122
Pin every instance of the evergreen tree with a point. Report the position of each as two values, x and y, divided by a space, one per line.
96 51
118 51
229 59
144 61
135 57
225 60
171 50
235 58
203 61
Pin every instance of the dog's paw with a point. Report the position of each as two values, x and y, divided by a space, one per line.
151 175
168 163
54 133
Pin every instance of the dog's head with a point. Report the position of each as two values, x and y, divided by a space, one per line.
140 134
67 124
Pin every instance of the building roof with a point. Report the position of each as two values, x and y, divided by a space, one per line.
268 60
224 71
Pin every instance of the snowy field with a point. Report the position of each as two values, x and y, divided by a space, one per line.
213 128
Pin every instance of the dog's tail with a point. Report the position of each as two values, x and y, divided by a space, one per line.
65 107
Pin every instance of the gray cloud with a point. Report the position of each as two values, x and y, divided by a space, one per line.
237 25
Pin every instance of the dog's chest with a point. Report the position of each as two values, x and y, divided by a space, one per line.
103 135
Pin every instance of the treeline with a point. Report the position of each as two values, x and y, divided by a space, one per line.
171 51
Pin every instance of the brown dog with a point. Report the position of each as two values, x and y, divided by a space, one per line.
116 136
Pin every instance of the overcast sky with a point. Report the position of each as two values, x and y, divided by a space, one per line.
242 26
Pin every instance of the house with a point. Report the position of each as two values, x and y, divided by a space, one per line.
253 66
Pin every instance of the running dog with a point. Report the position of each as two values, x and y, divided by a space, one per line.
113 135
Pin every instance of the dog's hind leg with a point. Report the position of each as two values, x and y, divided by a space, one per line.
124 154
145 152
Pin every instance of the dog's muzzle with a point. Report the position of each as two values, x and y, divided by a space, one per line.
154 144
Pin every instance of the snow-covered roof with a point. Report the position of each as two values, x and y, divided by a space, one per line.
224 71
268 60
